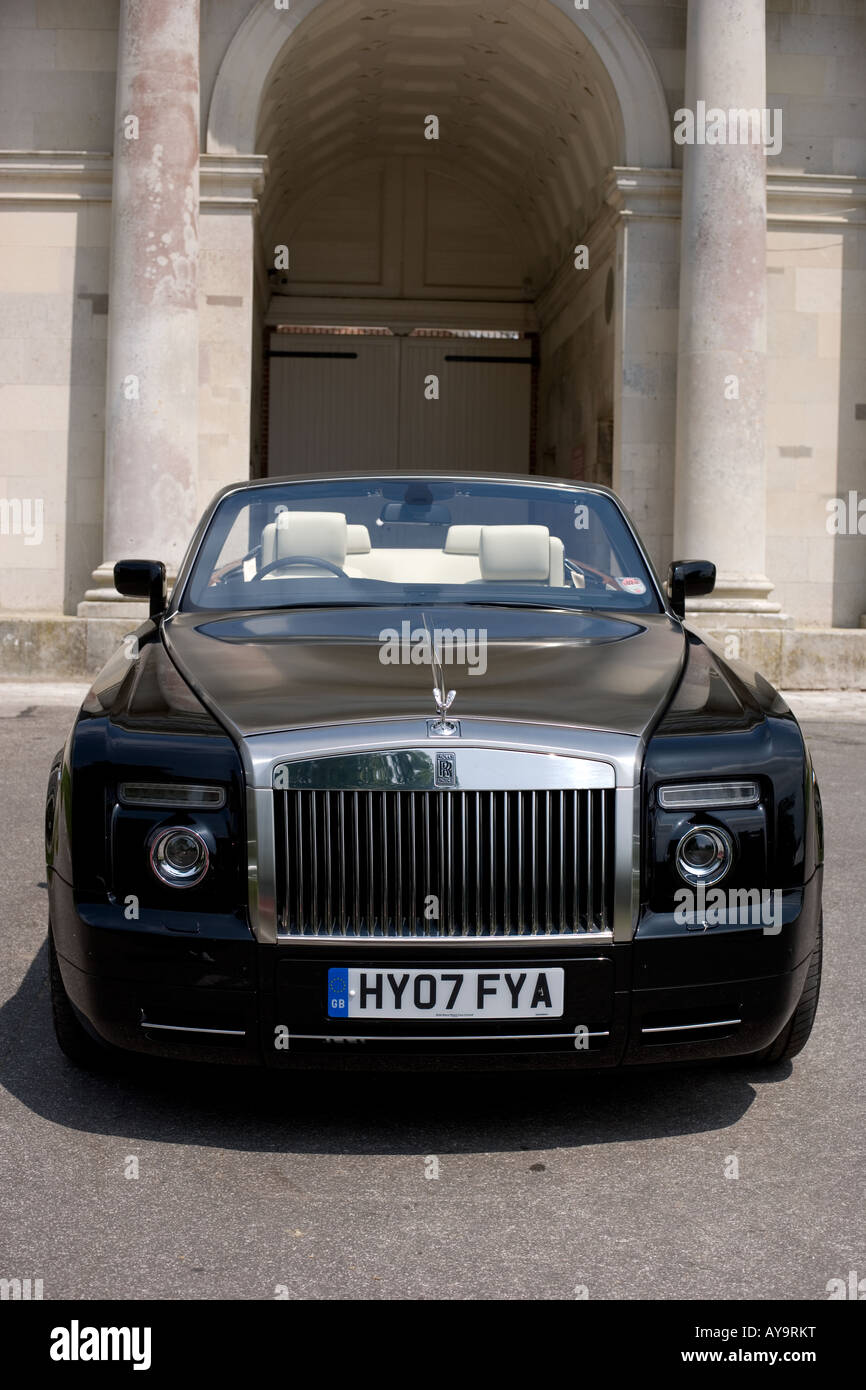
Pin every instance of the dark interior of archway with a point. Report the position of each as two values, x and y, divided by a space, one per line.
384 226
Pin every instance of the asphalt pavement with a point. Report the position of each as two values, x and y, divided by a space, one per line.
391 1186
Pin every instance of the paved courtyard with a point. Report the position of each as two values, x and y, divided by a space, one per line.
321 1186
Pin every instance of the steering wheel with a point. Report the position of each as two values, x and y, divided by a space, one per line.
596 580
292 560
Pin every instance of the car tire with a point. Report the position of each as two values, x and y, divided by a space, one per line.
72 1037
795 1034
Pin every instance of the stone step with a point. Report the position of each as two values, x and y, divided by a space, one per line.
48 645
43 645
806 658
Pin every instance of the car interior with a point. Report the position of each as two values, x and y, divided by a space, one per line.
305 544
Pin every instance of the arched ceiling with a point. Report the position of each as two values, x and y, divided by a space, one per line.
525 106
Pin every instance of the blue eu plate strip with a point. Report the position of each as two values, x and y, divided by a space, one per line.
338 993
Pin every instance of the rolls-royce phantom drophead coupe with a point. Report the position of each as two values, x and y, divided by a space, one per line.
429 771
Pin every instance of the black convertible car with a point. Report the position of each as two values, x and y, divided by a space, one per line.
428 770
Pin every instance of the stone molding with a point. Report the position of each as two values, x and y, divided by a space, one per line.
817 199
232 180
55 176
58 176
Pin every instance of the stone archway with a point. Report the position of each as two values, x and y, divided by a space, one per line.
255 51
608 384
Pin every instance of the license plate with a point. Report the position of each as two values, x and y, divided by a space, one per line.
359 992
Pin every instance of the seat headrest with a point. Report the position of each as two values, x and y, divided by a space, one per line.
463 540
519 553
358 539
269 541
557 562
323 534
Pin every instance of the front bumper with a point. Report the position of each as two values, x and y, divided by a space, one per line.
215 994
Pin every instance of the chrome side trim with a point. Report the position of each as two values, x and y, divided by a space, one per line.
435 1037
183 1028
690 1027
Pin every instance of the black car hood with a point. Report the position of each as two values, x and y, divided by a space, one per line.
265 671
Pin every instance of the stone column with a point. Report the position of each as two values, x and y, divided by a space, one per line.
151 413
720 484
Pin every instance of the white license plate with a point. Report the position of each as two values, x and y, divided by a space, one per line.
521 992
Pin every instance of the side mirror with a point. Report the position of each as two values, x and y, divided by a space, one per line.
142 579
689 579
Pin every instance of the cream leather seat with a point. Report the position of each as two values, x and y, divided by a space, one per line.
515 554
268 543
463 540
557 563
418 566
471 553
466 540
320 534
357 541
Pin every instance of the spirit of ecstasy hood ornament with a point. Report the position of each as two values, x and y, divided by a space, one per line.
443 726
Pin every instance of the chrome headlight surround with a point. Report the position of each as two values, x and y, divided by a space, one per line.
171 795
704 796
163 857
716 869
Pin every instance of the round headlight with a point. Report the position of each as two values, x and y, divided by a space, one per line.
704 854
179 857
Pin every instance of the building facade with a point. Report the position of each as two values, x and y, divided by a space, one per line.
624 240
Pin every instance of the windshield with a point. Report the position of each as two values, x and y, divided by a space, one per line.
418 540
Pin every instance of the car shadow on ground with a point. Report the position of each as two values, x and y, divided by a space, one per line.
359 1112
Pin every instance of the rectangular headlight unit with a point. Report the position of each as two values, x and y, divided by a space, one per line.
171 794
697 796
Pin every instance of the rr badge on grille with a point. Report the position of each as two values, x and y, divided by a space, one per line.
445 770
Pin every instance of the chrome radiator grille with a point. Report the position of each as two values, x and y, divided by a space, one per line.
366 864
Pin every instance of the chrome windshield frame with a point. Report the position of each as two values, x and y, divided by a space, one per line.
513 479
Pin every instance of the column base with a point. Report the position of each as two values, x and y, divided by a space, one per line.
761 648
123 608
738 601
740 619
724 618
792 658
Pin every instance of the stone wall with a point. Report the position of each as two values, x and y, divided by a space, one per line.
225 342
57 74
816 285
57 79
815 443
53 321
57 92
